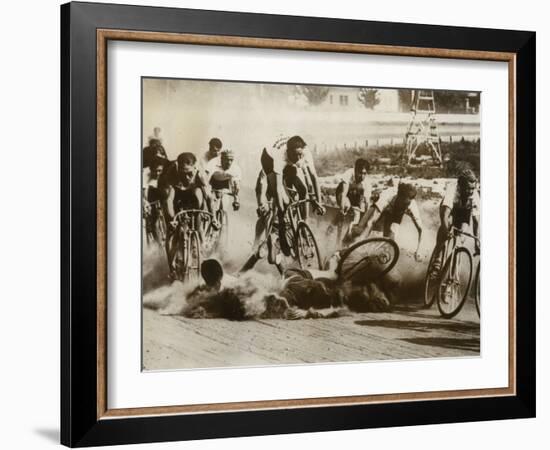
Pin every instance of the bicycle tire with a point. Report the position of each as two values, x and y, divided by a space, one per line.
431 297
350 273
193 264
304 235
160 229
222 238
454 308
477 292
179 259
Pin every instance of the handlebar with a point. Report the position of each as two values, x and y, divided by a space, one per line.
224 192
456 230
350 209
186 213
297 203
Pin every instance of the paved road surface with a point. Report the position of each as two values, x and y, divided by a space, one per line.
172 342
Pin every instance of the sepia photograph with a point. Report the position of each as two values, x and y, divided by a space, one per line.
302 224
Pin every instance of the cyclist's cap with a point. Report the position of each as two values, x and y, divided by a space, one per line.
211 271
215 142
227 154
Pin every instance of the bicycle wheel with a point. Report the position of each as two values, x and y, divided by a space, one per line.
193 266
455 281
433 278
222 233
477 289
160 229
179 261
307 251
368 260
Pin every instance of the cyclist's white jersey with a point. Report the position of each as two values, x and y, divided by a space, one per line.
278 154
471 207
214 166
386 203
205 158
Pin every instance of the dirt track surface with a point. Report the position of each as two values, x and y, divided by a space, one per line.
175 342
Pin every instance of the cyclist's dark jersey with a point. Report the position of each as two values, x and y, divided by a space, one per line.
356 194
219 184
154 194
154 153
184 197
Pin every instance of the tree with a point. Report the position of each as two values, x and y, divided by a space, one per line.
368 97
315 94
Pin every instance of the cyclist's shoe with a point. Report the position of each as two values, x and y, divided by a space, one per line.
236 206
273 249
216 225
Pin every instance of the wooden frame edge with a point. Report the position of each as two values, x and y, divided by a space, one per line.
103 35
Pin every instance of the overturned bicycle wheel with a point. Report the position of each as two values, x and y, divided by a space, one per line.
368 260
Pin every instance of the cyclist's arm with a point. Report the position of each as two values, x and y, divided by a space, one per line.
419 228
261 189
414 214
314 181
475 226
366 221
445 216
236 180
236 186
345 190
168 203
277 181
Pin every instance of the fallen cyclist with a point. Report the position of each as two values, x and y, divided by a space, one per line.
302 294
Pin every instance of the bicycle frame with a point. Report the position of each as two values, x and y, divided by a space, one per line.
187 223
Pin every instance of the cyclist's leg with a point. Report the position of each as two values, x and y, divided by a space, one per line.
437 262
292 180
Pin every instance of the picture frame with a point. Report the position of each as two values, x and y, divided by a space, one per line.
86 419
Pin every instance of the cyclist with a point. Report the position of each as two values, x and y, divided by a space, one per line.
153 152
303 294
183 187
354 190
263 200
151 194
288 164
214 149
388 213
460 209
224 173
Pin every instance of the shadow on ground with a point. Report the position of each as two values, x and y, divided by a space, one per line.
470 344
422 326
